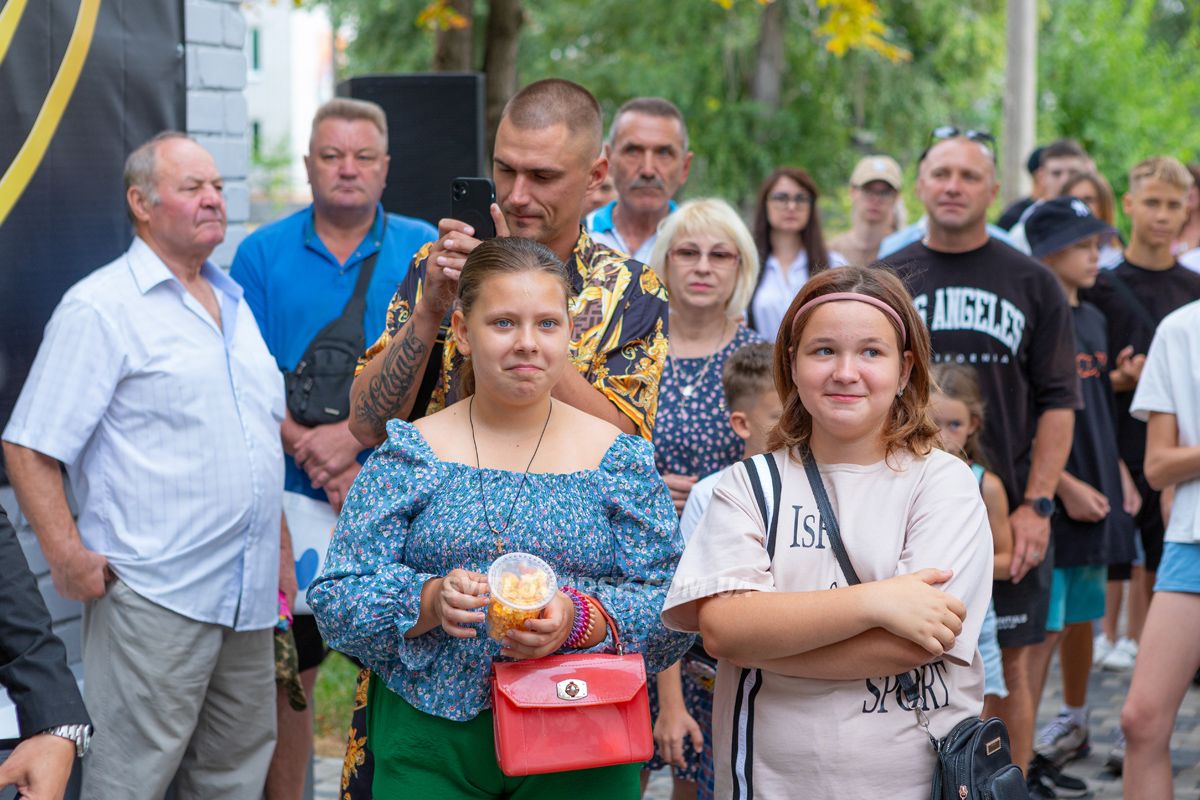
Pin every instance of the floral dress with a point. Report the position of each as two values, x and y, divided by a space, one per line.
693 437
609 531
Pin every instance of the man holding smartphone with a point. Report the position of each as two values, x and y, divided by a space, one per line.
299 274
547 158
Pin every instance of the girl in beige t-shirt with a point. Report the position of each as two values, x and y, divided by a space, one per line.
807 703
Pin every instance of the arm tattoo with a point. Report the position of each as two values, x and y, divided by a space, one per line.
384 394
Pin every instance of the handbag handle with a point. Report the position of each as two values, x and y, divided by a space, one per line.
618 647
829 520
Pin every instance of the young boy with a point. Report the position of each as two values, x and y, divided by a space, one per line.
1091 528
1168 397
754 408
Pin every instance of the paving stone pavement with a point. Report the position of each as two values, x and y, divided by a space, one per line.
1106 693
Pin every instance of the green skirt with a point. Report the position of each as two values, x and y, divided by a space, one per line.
420 755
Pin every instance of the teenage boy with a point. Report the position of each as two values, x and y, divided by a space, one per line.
1168 398
1135 296
1091 528
754 408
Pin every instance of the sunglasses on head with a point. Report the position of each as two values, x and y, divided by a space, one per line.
944 132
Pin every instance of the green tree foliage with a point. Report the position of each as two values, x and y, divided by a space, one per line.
1117 74
1121 78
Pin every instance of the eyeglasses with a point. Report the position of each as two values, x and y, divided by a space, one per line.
690 257
784 199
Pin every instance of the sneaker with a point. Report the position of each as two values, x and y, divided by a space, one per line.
1116 757
1121 657
1101 647
1062 740
1050 781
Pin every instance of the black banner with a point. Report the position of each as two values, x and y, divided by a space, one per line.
82 82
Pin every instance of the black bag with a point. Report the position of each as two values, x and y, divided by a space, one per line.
973 759
318 389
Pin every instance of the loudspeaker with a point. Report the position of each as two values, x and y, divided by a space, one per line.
435 134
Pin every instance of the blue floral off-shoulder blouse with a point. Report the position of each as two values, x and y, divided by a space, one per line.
610 532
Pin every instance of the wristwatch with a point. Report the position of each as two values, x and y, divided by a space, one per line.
1042 506
81 735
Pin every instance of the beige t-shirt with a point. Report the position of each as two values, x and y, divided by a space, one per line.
799 737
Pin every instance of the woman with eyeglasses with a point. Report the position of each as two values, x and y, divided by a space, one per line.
706 258
791 247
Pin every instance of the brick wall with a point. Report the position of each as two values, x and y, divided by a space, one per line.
215 35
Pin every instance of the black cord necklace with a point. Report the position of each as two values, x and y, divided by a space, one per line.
499 534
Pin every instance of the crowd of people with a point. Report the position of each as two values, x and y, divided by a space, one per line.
798 476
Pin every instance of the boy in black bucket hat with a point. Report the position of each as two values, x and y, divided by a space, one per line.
1092 525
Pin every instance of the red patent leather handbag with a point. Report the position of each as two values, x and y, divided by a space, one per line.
574 711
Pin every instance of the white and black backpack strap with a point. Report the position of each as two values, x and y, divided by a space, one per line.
767 485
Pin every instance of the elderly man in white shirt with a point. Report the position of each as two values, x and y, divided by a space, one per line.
154 388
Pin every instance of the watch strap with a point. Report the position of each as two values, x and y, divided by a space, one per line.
79 733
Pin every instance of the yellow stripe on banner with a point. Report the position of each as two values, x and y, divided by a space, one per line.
29 157
10 17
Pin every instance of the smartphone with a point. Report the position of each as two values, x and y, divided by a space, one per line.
471 202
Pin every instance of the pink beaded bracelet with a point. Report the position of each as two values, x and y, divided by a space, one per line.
581 630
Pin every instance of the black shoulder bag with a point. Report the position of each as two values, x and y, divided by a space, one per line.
318 389
973 759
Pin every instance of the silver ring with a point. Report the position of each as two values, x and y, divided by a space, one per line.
1036 553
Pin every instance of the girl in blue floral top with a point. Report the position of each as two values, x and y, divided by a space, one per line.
508 469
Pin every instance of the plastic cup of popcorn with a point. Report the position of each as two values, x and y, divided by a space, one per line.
521 586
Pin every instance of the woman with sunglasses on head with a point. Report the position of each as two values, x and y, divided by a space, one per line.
791 247
707 260
507 469
808 700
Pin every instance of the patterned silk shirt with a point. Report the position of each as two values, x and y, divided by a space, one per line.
618 329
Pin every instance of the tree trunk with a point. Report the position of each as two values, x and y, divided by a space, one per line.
454 45
768 69
505 18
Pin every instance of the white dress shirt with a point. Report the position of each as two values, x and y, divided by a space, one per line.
778 288
168 425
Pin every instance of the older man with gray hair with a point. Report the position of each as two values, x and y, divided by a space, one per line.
153 387
648 154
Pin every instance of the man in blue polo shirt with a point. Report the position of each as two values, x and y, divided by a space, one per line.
298 274
648 154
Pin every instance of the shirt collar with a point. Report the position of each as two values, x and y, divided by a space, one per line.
149 271
370 243
602 218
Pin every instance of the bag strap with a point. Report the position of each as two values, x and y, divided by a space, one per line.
618 646
357 303
830 523
761 469
1136 304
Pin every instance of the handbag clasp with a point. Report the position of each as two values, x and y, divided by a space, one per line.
572 689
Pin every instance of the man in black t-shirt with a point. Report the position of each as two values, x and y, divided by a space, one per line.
1135 296
990 306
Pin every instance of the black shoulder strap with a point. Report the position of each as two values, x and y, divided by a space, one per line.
357 303
1129 297
829 520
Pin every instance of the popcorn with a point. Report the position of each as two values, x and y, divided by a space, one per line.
521 585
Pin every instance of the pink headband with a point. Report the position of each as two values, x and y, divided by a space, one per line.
859 297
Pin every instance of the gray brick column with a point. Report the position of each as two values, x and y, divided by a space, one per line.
215 36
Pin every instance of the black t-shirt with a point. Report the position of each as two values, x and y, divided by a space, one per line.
1012 215
1093 458
1004 313
1159 292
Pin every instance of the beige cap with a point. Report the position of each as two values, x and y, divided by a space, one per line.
877 168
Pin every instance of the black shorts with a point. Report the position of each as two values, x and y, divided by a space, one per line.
1022 608
310 649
